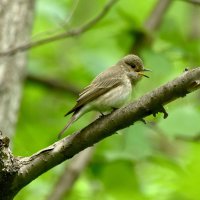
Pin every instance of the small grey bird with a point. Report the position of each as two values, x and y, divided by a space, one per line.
110 89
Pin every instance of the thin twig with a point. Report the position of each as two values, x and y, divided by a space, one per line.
62 24
70 33
67 21
161 140
193 25
195 2
71 174
53 84
187 138
157 14
151 24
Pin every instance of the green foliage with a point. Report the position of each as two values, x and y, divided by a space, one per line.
142 162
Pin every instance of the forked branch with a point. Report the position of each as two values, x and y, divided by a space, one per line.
71 33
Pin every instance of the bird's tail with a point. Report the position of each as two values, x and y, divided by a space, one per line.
73 118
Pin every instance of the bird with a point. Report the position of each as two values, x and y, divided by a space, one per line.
109 90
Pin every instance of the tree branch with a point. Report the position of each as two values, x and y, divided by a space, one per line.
187 138
152 23
70 33
53 84
33 166
71 174
157 14
195 2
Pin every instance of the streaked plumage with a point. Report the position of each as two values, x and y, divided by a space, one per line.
110 89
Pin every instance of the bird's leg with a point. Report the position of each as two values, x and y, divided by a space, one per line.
161 109
101 114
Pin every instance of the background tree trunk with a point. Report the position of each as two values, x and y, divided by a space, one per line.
15 24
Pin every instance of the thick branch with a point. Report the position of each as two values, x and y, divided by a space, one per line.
15 26
32 167
70 33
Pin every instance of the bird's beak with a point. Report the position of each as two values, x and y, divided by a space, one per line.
144 70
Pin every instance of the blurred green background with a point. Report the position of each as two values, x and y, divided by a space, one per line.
156 161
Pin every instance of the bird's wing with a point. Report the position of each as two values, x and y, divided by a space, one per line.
94 90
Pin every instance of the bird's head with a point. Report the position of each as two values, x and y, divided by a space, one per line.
134 67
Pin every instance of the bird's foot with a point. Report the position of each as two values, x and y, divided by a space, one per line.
101 114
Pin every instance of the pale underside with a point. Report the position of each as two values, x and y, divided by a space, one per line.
107 91
115 98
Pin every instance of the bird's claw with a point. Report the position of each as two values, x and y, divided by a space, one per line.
101 114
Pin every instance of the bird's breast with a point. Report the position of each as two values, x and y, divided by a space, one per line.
115 98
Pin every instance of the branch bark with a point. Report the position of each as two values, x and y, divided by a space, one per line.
15 26
29 168
152 23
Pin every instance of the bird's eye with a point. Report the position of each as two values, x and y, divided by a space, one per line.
133 66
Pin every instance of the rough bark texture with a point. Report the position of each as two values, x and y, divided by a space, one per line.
15 24
18 172
8 170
